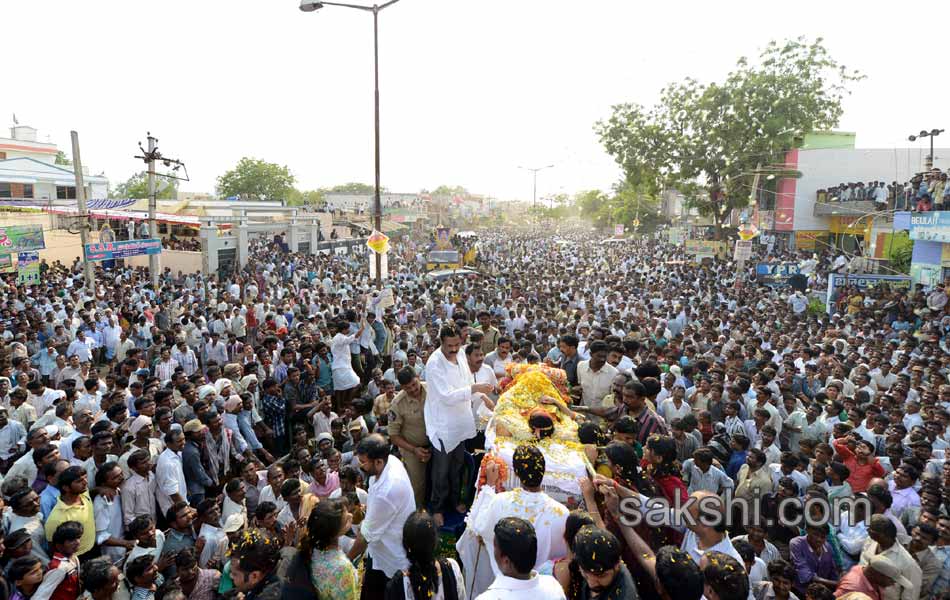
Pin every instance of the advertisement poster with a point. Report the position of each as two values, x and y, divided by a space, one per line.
21 238
123 249
862 281
775 273
6 263
28 268
930 226
706 248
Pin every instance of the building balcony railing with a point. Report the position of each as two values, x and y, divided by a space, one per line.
847 209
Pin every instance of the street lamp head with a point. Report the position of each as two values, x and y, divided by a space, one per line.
936 132
912 138
923 133
310 5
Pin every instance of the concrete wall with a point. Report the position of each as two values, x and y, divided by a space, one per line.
824 168
176 260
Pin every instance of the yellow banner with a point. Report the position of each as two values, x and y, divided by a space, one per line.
378 242
850 225
808 240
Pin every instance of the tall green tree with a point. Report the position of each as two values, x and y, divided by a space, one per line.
450 190
625 204
257 179
62 159
707 140
354 188
136 186
306 197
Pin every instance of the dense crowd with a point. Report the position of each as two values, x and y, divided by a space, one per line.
288 431
924 192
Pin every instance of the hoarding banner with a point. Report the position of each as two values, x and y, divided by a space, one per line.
618 230
743 250
863 281
775 273
676 235
28 268
6 263
930 226
21 238
123 249
705 247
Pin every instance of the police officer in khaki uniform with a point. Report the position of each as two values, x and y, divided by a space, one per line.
407 429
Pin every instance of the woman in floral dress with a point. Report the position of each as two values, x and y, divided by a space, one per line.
331 573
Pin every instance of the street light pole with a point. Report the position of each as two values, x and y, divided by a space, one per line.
534 171
377 202
928 134
310 6
153 264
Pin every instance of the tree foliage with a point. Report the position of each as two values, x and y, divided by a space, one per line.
256 179
450 190
900 249
626 204
136 186
706 140
62 159
354 188
306 197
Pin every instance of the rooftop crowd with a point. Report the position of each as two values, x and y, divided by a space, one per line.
283 433
924 192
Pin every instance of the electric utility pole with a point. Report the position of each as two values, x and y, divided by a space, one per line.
83 213
150 157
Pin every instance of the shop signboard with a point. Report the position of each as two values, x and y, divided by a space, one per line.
704 248
28 268
775 273
123 249
930 226
21 238
863 281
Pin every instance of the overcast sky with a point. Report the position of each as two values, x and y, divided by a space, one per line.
471 89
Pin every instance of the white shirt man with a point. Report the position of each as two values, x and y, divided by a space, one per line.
798 302
595 384
389 503
480 410
217 351
537 587
548 516
170 479
448 402
43 402
186 359
712 480
81 348
165 369
12 438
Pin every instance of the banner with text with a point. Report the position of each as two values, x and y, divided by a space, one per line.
775 273
930 226
863 281
123 249
21 238
28 268
706 248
